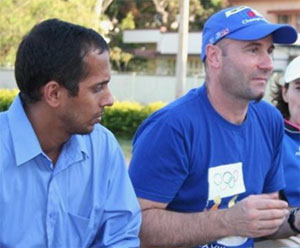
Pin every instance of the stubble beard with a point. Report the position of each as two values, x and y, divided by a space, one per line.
259 98
73 126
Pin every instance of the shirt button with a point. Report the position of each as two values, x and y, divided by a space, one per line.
52 215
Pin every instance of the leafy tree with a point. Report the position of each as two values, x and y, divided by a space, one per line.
208 8
101 6
157 13
200 10
140 14
121 20
17 17
109 17
119 58
128 22
143 11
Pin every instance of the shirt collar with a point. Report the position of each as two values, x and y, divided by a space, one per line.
73 151
25 142
76 144
291 127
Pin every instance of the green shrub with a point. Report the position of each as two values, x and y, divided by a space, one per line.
6 98
123 118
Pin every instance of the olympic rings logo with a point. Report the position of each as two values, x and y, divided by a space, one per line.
226 180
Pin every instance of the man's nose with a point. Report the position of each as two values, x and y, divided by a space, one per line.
266 62
107 99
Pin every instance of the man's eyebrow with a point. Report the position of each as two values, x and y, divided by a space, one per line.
99 83
251 44
103 82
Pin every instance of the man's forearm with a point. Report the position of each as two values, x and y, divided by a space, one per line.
162 228
254 216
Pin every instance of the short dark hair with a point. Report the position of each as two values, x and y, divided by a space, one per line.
54 50
277 99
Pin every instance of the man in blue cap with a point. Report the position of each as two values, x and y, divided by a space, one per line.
206 168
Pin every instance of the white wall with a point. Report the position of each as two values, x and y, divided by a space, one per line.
128 86
7 79
147 89
132 87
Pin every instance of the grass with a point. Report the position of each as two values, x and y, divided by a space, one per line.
126 146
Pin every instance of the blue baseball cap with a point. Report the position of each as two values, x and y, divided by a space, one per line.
244 23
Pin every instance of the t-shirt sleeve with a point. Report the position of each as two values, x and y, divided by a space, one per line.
159 163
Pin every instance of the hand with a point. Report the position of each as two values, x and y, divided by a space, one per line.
256 216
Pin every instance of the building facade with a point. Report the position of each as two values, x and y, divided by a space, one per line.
160 48
276 11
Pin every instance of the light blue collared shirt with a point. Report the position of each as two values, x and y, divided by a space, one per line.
85 200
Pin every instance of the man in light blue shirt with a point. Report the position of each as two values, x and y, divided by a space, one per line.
63 179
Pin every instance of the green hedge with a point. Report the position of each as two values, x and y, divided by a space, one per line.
122 118
6 98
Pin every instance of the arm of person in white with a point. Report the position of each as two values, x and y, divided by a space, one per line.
290 226
254 216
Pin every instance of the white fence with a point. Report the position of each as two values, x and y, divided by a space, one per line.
132 87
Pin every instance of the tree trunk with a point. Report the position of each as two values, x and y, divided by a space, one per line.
160 6
181 59
101 6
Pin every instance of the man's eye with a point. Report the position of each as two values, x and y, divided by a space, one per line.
271 51
99 88
254 49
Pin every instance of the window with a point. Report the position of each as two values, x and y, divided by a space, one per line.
283 19
194 66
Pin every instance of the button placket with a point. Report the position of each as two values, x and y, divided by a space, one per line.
51 213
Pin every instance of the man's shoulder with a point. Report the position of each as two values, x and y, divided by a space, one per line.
181 108
4 125
266 116
3 117
265 109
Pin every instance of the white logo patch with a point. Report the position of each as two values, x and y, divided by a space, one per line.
298 152
232 241
225 180
234 11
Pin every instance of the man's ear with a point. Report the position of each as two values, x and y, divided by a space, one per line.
284 94
52 93
213 56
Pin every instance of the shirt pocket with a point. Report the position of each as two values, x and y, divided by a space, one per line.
78 229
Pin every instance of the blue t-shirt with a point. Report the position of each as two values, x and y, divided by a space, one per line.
86 200
190 157
291 164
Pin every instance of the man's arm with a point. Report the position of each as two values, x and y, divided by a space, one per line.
255 216
121 217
